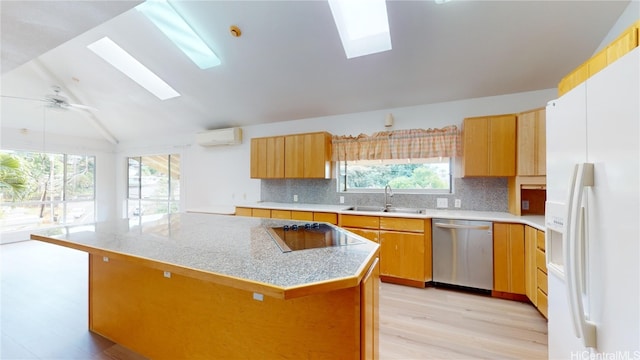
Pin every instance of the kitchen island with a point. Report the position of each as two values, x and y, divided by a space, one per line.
201 286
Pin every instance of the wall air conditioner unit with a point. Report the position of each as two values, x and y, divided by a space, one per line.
230 136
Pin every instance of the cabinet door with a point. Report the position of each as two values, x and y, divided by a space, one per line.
275 157
508 258
317 155
369 312
476 146
258 158
530 275
267 158
402 255
373 235
301 215
243 211
331 218
502 145
280 214
360 221
532 159
294 156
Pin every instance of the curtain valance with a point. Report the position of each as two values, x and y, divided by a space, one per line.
398 144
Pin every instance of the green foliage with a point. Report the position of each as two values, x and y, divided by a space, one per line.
13 178
398 176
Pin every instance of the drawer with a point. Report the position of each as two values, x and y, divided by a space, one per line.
373 235
280 214
543 304
540 240
402 224
542 281
301 215
243 211
541 262
331 218
359 221
263 213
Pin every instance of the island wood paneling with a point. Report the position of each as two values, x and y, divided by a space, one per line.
179 317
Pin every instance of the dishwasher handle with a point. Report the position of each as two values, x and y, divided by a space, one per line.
459 226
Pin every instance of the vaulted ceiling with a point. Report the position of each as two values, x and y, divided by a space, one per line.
288 64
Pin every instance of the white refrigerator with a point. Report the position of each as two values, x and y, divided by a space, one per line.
593 216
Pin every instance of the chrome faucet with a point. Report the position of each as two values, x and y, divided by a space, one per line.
388 194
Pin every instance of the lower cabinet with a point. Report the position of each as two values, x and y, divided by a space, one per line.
331 218
508 258
402 255
405 245
536 268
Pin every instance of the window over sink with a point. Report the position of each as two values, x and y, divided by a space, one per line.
433 175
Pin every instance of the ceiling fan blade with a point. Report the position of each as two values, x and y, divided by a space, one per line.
82 107
23 98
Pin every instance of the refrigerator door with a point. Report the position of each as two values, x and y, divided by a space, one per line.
613 138
566 147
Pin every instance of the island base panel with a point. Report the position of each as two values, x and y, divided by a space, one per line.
181 317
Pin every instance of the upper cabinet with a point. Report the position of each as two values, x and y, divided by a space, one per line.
489 146
299 156
532 158
267 157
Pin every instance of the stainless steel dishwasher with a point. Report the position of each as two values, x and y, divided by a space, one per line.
463 253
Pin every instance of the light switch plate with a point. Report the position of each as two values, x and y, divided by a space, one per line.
442 202
295 198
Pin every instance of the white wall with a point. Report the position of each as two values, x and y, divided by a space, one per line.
220 175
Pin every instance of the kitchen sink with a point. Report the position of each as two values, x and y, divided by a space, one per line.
392 209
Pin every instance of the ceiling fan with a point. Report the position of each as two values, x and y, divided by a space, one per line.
56 100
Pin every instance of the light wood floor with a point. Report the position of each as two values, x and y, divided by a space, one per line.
43 315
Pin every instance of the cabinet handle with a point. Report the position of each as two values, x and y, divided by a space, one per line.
456 226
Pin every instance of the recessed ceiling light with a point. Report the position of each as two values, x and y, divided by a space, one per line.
363 26
165 17
123 61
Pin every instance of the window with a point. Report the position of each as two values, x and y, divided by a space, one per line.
153 185
45 189
410 176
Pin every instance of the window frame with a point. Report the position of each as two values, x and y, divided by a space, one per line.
341 182
135 206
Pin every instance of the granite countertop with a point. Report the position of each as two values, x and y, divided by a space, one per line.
237 251
536 221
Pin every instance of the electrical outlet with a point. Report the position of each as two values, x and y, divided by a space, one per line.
341 199
442 203
167 274
295 198
457 203
525 204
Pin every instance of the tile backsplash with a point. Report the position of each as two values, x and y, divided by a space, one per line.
479 194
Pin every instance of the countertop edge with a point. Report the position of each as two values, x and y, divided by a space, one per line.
226 280
535 221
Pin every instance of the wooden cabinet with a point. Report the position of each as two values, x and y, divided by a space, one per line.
405 245
369 313
402 255
267 157
541 274
626 42
331 218
299 156
508 258
531 153
530 266
243 211
535 268
489 146
308 155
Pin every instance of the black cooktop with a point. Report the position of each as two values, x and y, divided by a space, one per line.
309 236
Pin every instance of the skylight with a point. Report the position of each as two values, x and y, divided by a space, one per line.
164 16
121 60
363 26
